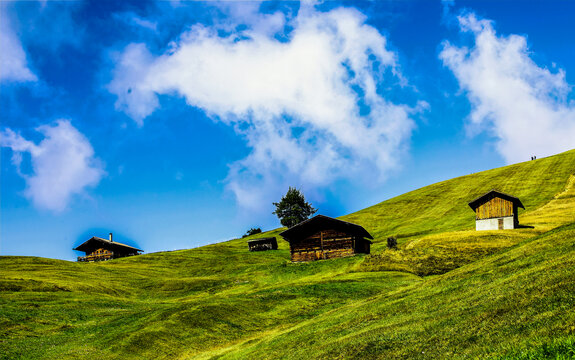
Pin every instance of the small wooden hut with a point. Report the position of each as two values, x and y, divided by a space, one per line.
262 244
495 210
323 237
98 249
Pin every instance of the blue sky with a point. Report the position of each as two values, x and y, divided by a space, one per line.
177 124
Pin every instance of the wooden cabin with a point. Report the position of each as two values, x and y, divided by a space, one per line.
323 237
98 249
495 210
263 244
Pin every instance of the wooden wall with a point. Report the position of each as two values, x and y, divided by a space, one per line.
496 207
263 245
325 244
97 255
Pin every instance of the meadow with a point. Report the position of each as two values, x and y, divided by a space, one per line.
447 292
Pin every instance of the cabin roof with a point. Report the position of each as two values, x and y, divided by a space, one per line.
475 203
261 240
94 240
322 222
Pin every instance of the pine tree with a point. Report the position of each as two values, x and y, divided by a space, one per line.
292 208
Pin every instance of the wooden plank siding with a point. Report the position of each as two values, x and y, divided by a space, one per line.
322 237
494 208
98 255
325 244
97 249
263 244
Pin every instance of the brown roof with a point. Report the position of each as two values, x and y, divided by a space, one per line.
475 203
321 222
93 239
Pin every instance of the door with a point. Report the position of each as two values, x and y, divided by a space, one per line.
500 224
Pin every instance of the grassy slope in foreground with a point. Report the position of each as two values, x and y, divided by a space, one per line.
510 290
502 305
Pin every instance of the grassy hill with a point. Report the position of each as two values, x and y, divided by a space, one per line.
447 292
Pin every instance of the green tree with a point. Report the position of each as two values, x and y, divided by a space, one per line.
252 231
292 208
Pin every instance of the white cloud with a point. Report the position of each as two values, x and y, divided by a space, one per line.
520 103
144 23
295 101
136 96
63 164
13 63
249 15
136 21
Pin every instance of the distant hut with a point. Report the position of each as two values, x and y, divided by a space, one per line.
98 249
496 211
323 237
262 244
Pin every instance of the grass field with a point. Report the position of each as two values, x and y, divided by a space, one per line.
447 292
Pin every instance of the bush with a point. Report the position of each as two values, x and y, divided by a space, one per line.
252 231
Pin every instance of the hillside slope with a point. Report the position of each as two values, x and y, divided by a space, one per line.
443 206
448 292
512 304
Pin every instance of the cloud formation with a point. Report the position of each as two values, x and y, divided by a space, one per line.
63 164
13 63
523 105
308 106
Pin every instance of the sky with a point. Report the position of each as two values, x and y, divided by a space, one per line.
177 124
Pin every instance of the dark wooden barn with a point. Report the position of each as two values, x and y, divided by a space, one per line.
495 210
262 244
98 249
322 237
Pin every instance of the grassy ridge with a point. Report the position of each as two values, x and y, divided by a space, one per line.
130 310
485 309
442 207
448 292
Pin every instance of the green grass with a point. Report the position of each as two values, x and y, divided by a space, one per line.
446 292
442 207
483 309
559 349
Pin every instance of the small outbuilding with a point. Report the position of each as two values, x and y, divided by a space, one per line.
263 244
495 210
98 249
323 237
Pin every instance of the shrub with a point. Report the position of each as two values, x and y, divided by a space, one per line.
252 231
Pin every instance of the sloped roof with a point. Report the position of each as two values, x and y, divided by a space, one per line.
321 222
475 203
93 241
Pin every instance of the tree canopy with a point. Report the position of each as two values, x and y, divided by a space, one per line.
252 231
292 208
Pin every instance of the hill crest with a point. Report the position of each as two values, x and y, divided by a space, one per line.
447 292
